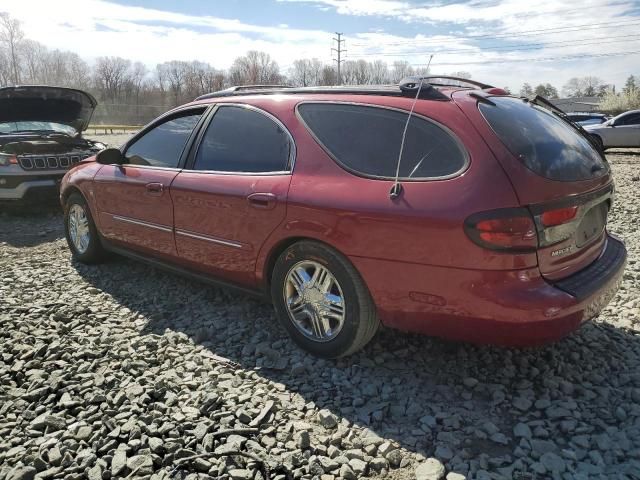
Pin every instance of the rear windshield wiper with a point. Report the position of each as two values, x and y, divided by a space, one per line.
544 103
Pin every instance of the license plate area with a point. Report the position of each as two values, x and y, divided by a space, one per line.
592 224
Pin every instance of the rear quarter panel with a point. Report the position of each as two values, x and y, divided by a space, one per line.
424 225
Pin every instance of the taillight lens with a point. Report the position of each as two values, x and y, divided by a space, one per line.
559 216
508 229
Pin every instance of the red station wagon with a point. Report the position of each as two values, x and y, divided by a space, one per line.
438 206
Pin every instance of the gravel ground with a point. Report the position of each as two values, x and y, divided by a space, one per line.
123 371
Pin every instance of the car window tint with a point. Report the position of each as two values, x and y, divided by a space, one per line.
366 140
242 140
544 143
162 145
631 119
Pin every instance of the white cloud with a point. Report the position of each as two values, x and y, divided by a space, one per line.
94 28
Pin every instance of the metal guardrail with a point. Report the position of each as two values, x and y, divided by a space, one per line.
111 129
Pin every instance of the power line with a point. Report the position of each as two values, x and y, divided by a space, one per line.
339 51
531 13
540 59
525 33
529 46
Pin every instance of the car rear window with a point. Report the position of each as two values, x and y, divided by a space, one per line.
543 142
366 140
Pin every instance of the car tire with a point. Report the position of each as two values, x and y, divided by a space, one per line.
81 232
322 301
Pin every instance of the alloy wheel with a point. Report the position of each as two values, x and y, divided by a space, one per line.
314 301
79 228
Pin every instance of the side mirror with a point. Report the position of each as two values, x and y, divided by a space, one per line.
110 156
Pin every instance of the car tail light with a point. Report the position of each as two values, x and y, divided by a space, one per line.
508 229
559 216
8 159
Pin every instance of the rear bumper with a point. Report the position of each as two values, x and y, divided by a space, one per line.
510 308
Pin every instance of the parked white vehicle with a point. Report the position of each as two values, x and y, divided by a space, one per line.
620 131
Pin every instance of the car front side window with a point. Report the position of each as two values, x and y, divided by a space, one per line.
243 140
162 146
631 119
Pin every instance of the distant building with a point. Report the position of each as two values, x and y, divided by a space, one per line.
578 104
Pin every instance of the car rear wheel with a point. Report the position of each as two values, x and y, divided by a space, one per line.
80 230
322 301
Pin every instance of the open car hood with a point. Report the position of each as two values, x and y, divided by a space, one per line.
39 103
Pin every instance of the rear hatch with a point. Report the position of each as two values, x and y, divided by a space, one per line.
558 174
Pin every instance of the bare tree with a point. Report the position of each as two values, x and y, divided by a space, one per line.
176 74
254 68
592 86
401 69
355 72
546 90
379 72
461 74
110 74
5 68
584 87
328 76
137 78
526 90
34 57
306 72
11 36
572 88
300 72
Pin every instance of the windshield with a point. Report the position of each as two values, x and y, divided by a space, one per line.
12 127
545 144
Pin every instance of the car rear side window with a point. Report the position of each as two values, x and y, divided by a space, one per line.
240 139
544 143
162 146
366 140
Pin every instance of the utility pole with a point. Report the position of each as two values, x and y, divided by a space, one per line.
339 52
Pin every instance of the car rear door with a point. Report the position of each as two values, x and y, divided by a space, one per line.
134 205
233 193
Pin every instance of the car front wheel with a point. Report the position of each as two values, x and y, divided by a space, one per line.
322 301
80 230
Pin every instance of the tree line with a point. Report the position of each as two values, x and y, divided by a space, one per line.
131 93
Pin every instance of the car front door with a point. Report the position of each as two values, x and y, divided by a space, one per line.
233 193
627 130
134 205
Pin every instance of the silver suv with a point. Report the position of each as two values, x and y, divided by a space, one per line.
40 139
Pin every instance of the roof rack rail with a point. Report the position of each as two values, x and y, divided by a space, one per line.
427 91
442 80
240 88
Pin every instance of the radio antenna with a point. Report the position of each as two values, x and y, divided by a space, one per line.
396 188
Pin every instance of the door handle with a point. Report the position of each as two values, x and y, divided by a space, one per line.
264 201
155 189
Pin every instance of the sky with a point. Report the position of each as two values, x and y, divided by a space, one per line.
500 42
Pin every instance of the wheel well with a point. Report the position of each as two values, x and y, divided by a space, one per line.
69 191
281 247
273 256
